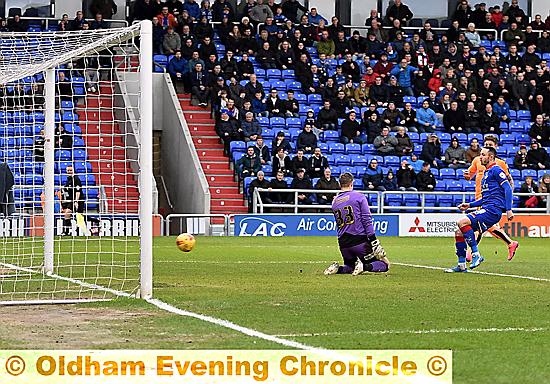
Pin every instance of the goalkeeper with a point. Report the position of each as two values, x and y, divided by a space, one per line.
359 247
71 194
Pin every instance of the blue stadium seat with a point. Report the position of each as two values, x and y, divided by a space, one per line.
279 85
486 43
26 154
415 137
392 161
540 174
447 173
523 138
358 160
79 154
277 122
67 104
445 137
24 142
454 186
524 115
409 99
342 159
273 74
261 73
237 146
393 199
411 200
267 168
462 137
293 122
516 174
528 172
34 179
294 85
335 170
331 136
19 117
78 142
360 170
323 147
288 74
468 185
263 121
368 149
515 126
513 115
314 98
73 129
294 132
477 136
353 148
69 116
336 148
330 159
507 139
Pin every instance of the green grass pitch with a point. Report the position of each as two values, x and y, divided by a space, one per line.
498 327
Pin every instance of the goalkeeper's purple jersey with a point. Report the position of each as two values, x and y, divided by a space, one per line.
352 213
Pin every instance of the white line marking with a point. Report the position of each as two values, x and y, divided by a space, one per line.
418 331
328 262
476 271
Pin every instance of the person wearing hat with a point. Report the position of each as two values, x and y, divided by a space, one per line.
537 157
301 181
455 155
520 158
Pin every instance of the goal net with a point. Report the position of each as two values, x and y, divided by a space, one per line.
75 147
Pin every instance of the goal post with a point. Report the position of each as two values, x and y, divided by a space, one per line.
77 224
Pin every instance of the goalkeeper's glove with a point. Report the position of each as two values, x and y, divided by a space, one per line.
377 250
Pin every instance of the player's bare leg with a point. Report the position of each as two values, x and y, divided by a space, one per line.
512 245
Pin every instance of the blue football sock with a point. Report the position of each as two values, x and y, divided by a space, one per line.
461 250
470 237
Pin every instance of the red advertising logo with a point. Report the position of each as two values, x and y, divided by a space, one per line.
416 226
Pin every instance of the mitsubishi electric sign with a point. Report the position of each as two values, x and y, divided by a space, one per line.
423 225
277 225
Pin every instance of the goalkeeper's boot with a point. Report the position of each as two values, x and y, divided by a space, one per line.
476 260
512 247
377 250
359 268
332 269
458 268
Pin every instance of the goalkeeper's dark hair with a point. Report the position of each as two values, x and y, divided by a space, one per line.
346 179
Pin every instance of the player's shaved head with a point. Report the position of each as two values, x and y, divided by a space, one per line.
346 180
487 155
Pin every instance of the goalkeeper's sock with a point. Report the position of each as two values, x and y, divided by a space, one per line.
376 266
470 237
460 245
66 226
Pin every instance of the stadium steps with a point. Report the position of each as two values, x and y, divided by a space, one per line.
225 197
105 146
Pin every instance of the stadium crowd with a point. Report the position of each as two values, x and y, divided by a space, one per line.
389 89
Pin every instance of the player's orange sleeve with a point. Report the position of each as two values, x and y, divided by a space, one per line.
476 170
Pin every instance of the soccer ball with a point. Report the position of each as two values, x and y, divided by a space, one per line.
185 242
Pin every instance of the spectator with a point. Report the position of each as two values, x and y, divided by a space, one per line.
361 94
390 182
392 118
253 86
520 158
274 105
266 57
279 183
17 25
410 118
404 145
76 23
373 177
307 140
281 163
178 69
502 110
426 118
379 93
280 141
63 139
425 179
228 130
385 144
301 181
472 35
351 130
472 119
373 127
326 45
62 26
171 42
537 157
514 36
318 164
454 119
400 12
517 14
327 118
260 12
473 151
249 164
543 43
314 17
327 182
490 122
530 187
406 177
259 105
246 69
259 182
540 131
199 85
262 151
540 106
544 187
431 151
416 163
39 147
404 74
522 92
455 155
299 161
292 106
251 128
98 22
290 9
462 16
167 19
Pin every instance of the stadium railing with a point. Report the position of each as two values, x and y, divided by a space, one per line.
204 224
390 201
54 21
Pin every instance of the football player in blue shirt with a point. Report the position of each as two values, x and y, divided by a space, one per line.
360 248
496 196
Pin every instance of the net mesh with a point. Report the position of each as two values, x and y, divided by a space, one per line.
96 253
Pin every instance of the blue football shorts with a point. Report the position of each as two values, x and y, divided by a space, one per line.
482 219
